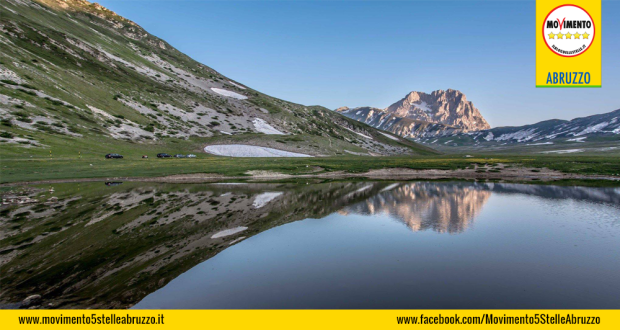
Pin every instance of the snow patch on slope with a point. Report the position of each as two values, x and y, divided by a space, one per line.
423 106
520 136
229 93
241 150
593 129
389 136
360 134
263 127
235 84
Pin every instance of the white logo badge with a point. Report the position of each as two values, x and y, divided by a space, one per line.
568 30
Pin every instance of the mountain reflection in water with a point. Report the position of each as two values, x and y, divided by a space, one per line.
424 205
86 245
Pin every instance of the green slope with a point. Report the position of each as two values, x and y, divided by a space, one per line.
75 78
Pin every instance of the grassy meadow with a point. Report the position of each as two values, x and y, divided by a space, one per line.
95 166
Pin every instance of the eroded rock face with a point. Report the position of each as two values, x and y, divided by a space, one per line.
448 107
405 127
420 115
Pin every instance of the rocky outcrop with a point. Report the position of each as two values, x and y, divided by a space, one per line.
405 127
448 107
422 115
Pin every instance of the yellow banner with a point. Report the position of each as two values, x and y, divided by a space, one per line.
307 319
568 43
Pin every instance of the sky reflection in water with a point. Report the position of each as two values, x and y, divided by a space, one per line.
423 245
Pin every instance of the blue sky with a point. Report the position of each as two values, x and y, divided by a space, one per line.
372 53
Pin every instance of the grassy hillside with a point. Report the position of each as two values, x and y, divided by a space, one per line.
77 78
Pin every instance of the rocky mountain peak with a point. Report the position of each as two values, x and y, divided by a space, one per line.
342 109
449 107
449 94
86 7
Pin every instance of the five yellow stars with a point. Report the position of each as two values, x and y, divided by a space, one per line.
568 35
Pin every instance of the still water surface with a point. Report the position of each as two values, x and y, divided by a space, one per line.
424 245
317 245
